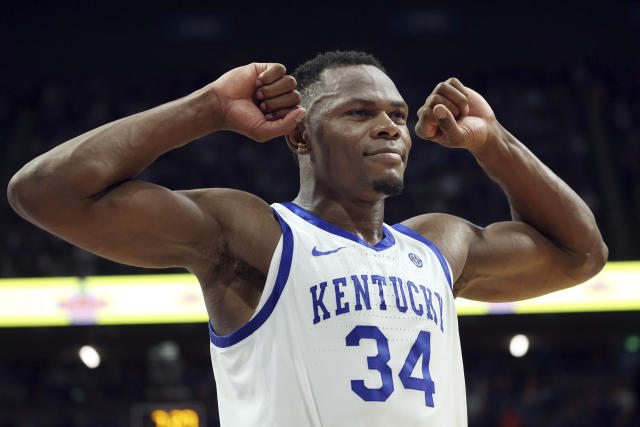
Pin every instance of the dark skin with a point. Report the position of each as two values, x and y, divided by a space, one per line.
354 135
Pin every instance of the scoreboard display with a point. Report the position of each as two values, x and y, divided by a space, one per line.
168 414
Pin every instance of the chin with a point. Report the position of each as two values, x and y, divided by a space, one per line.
388 186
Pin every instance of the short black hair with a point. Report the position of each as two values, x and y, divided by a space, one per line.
310 71
308 74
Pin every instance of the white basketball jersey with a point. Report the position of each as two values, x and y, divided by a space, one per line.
345 334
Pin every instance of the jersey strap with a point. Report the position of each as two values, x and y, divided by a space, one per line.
268 307
419 237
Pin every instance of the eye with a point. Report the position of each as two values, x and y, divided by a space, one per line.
399 115
359 113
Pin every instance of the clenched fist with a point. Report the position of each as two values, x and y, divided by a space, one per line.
258 100
455 116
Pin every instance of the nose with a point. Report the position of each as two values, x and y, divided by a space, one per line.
385 128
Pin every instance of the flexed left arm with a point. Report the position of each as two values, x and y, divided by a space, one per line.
552 242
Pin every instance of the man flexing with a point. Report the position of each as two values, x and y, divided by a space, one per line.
352 144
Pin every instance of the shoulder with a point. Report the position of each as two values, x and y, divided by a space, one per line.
228 206
246 225
451 234
215 199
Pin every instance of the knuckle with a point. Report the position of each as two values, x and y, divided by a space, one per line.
282 113
266 91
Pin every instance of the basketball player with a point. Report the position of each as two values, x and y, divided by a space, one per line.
321 314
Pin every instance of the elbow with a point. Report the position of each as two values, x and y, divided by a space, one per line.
19 193
26 194
600 256
45 192
593 262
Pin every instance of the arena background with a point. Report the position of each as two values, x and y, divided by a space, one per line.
563 78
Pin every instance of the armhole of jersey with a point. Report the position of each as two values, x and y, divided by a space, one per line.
419 237
263 313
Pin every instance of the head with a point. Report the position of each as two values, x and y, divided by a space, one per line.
354 141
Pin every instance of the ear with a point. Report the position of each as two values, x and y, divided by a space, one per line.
296 140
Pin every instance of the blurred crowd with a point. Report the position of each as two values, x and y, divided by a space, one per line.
578 110
557 390
582 121
593 387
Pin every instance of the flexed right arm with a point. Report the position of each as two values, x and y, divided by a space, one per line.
84 192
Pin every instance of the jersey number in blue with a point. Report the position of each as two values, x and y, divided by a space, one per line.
379 362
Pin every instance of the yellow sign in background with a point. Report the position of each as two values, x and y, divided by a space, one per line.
176 298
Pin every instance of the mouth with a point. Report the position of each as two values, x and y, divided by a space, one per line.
385 153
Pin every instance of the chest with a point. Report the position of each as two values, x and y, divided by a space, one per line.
335 280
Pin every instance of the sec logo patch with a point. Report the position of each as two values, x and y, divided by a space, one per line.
415 259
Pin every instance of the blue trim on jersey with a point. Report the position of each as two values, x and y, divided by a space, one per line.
419 237
383 244
266 310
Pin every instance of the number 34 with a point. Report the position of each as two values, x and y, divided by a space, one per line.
421 347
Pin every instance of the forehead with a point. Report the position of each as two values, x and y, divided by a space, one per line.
358 81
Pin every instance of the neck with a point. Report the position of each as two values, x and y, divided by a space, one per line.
361 217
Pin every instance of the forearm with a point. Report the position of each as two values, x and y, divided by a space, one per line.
92 162
540 198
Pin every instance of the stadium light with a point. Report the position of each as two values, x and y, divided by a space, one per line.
89 356
519 345
632 343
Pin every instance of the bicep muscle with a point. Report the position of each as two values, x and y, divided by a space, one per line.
511 260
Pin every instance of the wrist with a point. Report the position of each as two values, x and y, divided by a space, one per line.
497 142
206 105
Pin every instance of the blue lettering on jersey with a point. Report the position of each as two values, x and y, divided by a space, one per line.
317 303
380 281
440 304
411 286
401 307
429 303
361 291
340 309
421 300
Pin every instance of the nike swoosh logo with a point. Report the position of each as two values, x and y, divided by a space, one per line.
316 252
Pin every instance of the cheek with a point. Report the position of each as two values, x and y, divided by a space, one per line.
339 146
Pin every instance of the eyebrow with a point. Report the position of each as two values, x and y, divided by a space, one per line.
400 104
